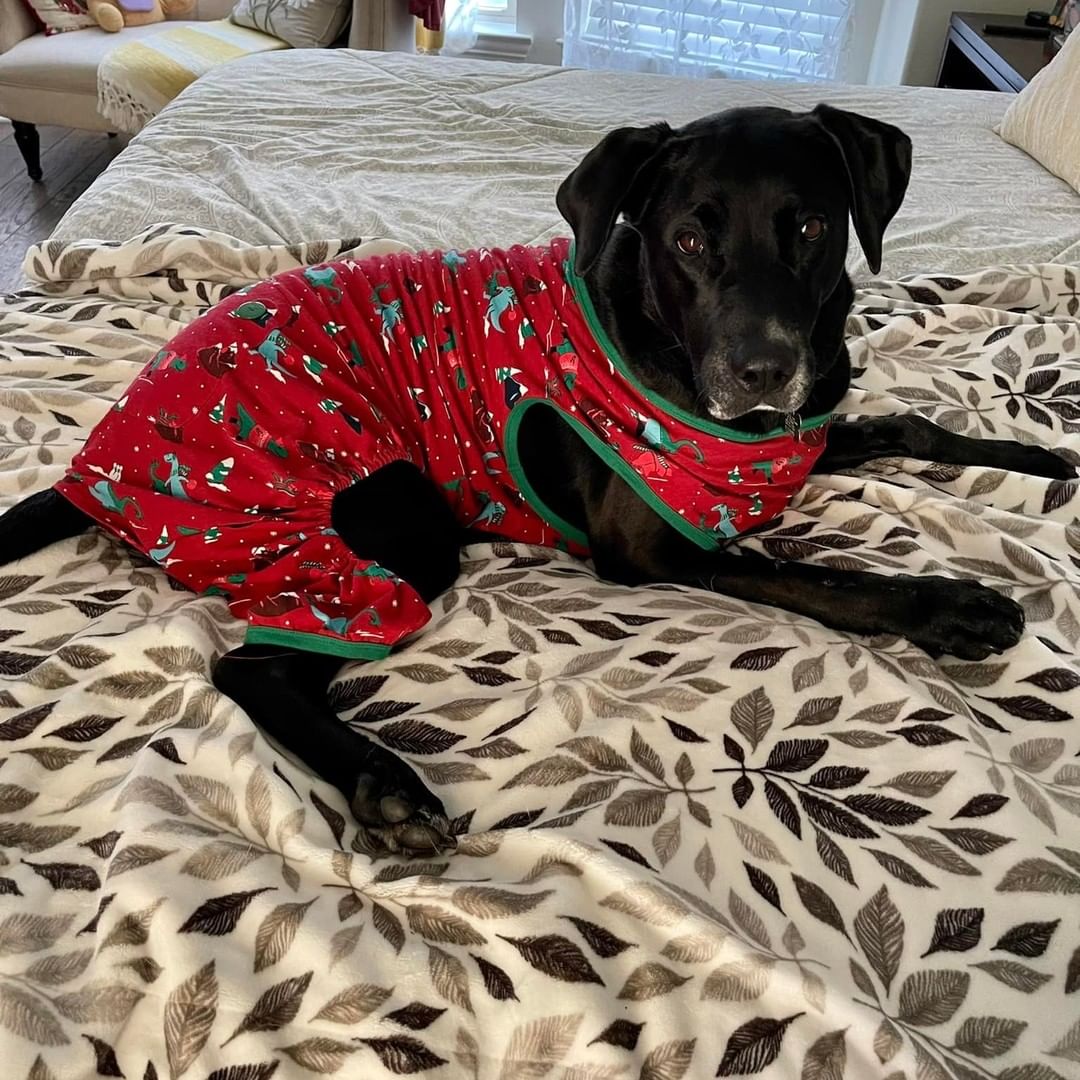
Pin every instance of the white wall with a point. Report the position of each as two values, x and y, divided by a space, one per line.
912 35
542 20
865 26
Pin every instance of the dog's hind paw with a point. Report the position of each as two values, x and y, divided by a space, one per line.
966 620
397 811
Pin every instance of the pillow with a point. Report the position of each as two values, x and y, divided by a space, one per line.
59 16
1044 119
314 24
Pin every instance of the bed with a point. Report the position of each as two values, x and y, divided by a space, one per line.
697 837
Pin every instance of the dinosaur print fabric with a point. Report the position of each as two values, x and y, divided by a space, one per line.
222 460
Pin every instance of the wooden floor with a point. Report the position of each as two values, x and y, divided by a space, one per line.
28 212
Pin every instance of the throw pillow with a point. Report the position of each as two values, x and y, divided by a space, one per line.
59 16
1043 119
315 24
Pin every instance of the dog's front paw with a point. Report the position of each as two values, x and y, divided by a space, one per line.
1037 461
397 810
965 619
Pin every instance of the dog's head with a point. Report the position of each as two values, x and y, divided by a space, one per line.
743 219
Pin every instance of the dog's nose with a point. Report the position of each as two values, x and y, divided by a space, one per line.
763 371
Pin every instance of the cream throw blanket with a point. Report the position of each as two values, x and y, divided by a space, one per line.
137 79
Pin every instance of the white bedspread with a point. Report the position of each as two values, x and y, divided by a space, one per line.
442 152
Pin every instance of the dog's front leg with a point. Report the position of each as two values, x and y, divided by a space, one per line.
632 545
284 691
851 444
941 615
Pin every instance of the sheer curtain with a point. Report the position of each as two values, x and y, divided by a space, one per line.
460 23
791 39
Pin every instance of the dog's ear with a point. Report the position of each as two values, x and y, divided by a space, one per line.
594 194
878 160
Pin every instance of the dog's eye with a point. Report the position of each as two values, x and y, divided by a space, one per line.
813 228
689 243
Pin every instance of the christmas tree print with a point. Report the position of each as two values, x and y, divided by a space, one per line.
161 551
217 476
313 367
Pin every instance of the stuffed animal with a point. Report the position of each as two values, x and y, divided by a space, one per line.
114 15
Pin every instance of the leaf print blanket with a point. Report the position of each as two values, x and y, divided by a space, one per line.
699 837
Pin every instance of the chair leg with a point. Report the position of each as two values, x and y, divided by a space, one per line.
26 138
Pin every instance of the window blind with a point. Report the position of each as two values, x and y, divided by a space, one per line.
792 38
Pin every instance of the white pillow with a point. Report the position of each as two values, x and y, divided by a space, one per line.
1044 120
310 24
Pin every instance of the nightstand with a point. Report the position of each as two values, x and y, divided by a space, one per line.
975 60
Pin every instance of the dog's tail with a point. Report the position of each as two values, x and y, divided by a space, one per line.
38 521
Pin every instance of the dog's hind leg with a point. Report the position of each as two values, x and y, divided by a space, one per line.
40 520
397 518
284 691
851 444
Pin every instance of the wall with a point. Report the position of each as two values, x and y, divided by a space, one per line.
542 20
912 33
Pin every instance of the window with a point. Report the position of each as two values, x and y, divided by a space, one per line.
800 39
499 13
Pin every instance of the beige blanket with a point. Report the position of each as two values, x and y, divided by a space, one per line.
137 79
699 837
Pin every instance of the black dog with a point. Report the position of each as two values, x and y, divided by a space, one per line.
725 290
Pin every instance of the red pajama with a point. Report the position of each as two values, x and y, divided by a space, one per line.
222 459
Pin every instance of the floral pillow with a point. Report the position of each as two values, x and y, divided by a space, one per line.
58 16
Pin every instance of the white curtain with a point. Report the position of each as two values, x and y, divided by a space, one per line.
459 22
791 39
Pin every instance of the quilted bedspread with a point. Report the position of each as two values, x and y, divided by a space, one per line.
698 837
